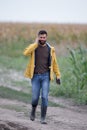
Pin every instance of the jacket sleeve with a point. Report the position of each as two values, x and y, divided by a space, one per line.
56 67
29 49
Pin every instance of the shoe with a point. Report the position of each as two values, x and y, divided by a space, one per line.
32 116
43 114
43 121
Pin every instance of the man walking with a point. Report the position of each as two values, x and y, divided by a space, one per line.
40 69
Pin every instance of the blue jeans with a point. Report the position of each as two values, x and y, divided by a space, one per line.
40 82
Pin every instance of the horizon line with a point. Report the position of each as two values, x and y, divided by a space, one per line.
33 22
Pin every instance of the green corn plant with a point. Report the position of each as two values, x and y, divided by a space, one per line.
78 67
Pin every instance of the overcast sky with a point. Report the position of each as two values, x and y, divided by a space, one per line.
57 11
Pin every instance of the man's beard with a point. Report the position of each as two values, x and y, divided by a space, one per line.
42 42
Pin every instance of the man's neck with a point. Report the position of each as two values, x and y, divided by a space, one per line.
42 44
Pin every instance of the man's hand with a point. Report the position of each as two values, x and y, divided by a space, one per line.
58 81
36 40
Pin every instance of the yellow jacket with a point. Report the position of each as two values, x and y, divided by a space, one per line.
30 51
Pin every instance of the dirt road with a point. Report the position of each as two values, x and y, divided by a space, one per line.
14 115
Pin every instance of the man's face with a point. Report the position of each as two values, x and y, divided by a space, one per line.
42 38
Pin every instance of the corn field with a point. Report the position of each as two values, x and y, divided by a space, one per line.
57 33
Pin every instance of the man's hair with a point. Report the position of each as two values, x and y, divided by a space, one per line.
41 32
